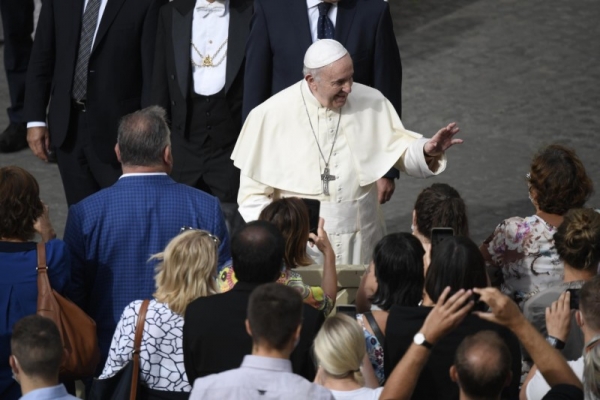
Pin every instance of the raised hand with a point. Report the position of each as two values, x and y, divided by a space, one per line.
504 311
447 314
558 317
442 140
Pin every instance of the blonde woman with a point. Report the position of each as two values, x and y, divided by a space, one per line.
344 366
187 271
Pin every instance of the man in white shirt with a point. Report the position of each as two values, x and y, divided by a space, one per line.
37 353
198 79
274 321
318 140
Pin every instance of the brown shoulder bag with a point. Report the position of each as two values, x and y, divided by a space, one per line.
77 329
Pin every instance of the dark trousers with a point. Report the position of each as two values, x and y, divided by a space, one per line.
82 172
200 161
17 21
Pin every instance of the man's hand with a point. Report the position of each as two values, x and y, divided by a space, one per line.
504 311
446 315
442 141
385 189
558 317
39 141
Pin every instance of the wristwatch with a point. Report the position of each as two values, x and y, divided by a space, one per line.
419 339
555 342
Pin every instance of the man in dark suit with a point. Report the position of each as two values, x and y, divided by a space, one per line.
93 59
198 79
282 31
17 21
112 233
214 333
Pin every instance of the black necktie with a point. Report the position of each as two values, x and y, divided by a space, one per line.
325 28
88 28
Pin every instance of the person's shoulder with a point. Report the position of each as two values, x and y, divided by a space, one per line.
278 102
364 92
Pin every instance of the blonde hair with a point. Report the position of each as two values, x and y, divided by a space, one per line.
187 269
340 347
591 370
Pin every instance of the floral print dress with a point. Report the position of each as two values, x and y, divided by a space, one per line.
522 249
374 350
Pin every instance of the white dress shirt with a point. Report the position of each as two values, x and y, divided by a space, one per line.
210 29
313 16
100 13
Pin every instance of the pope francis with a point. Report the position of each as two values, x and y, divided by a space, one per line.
328 139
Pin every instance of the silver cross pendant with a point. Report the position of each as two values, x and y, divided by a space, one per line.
325 178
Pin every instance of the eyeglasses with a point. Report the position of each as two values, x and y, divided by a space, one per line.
210 235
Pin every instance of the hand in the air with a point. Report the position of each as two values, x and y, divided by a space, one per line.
503 310
442 141
321 240
558 317
447 314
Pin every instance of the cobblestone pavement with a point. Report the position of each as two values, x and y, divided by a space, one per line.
516 75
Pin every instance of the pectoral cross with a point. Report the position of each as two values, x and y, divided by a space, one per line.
325 177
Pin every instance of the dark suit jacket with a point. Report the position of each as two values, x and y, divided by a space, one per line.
280 35
112 234
172 72
215 337
120 67
434 382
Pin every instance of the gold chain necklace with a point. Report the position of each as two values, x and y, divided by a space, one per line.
207 61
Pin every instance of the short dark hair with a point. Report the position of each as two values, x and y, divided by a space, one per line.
398 263
589 302
577 239
439 206
456 262
485 375
290 216
20 204
257 252
559 180
37 345
143 136
274 314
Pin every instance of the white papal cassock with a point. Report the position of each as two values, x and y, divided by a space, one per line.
278 157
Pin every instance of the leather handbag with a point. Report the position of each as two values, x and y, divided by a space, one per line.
77 329
125 384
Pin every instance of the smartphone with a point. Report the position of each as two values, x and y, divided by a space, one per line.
439 234
348 309
574 303
314 210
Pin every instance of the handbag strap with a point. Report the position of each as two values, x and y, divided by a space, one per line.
139 330
43 282
374 327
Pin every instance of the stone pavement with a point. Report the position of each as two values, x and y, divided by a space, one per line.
516 75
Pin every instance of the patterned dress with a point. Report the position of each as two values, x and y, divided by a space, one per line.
161 351
374 350
523 250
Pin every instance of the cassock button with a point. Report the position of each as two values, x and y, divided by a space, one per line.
339 200
338 245
208 127
172 77
208 99
208 113
173 103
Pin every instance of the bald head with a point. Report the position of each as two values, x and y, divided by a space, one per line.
257 252
482 366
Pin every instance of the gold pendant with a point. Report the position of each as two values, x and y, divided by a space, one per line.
207 62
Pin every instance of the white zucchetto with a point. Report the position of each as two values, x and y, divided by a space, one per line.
323 52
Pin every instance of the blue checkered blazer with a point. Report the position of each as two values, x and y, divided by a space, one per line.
112 234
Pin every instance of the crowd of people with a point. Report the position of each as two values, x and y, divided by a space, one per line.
191 135
430 323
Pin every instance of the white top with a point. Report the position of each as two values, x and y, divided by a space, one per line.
210 29
358 394
313 16
259 378
538 387
161 350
